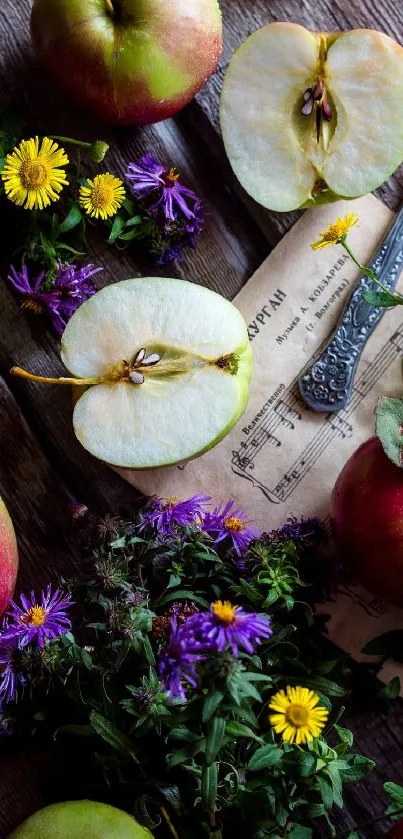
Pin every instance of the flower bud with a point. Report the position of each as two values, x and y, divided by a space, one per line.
98 151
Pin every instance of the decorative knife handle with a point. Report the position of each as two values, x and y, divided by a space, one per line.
327 384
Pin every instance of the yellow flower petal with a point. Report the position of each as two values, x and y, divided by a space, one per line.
102 197
31 174
298 717
336 231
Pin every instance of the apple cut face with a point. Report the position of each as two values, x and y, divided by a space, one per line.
174 362
310 117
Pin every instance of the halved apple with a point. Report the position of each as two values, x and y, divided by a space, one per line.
309 117
164 366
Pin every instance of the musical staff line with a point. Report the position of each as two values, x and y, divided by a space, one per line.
283 419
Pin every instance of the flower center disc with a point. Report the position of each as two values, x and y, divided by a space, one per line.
233 524
35 616
33 174
102 196
297 715
224 611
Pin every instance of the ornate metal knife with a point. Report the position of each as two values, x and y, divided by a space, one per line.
327 383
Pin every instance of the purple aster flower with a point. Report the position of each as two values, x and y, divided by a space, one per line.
11 677
172 253
306 532
177 664
152 180
70 287
37 621
194 226
164 513
225 626
230 522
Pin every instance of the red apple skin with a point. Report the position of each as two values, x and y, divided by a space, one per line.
8 557
138 64
367 520
396 832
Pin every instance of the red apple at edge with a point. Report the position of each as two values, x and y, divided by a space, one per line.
128 62
367 520
8 557
396 832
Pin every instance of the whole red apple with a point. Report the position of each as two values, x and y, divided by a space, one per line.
367 520
128 62
396 832
8 557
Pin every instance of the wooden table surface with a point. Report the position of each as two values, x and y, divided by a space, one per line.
42 466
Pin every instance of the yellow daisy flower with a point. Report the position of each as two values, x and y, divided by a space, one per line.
297 717
337 231
103 196
32 175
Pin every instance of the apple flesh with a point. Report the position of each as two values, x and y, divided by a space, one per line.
81 820
8 557
164 368
309 117
128 62
367 520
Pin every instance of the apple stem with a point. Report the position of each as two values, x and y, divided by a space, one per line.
23 374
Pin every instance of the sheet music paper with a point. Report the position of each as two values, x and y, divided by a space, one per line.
282 459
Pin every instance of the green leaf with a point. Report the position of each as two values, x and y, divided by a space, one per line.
116 230
382 299
86 658
264 757
209 783
298 831
395 792
215 738
390 644
111 734
345 735
73 218
392 689
211 703
183 594
134 221
335 779
326 790
300 764
238 729
182 755
319 684
183 734
353 835
389 427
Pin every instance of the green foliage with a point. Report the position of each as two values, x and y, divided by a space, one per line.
213 762
389 428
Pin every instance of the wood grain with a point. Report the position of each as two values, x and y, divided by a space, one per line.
42 467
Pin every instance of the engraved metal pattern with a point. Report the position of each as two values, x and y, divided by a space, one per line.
326 384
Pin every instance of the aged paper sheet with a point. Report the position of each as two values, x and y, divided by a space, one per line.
282 459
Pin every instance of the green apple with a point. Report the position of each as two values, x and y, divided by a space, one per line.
164 368
81 820
128 61
8 557
309 117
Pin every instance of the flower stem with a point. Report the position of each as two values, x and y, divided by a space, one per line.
23 374
367 271
171 827
81 143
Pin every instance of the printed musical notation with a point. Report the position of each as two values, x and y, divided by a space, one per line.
282 419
